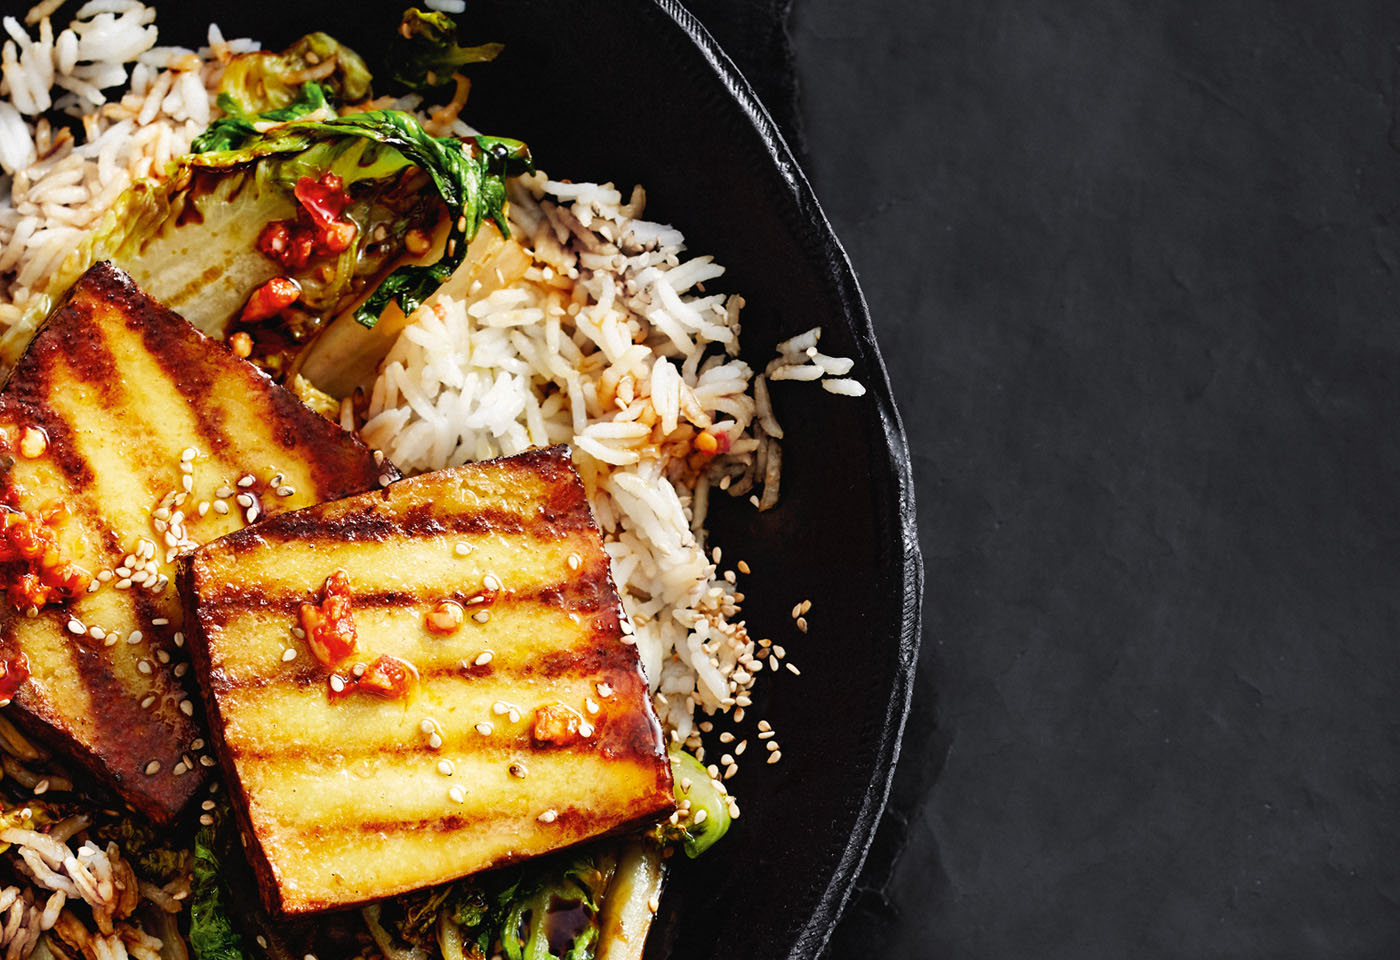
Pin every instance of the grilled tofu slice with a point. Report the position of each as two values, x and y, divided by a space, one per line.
154 438
529 727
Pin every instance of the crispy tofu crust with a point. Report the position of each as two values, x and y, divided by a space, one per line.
348 799
122 387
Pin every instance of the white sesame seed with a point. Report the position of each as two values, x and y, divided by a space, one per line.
207 761
490 582
700 817
435 741
483 658
549 816
251 514
591 705
337 684
75 626
203 508
585 729
299 633
517 770
481 616
575 561
385 479
163 656
426 725
181 669
147 702
188 454
802 624
220 507
41 788
153 768
726 737
197 743
208 821
288 655
187 708
457 794
793 670
159 622
285 491
223 493
104 575
775 756
484 728
462 549
445 767
144 666
739 750
187 482
179 769
179 639
772 745
208 805
359 669
243 500
111 640
247 480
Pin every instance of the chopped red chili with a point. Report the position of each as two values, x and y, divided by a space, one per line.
270 299
388 677
13 673
330 630
34 566
319 227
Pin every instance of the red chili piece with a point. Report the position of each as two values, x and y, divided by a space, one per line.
330 630
318 228
388 677
556 724
34 566
13 673
270 299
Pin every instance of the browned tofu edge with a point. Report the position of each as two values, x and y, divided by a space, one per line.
550 460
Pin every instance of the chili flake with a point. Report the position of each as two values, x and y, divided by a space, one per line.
13 673
556 724
270 299
387 677
330 631
35 568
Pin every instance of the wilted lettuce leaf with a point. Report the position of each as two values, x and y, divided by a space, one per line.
426 54
212 933
259 82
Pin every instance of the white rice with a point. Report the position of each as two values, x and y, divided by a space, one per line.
605 338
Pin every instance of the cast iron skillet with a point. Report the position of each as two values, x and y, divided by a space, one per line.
637 91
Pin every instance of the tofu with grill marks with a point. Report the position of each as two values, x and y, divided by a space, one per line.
529 728
121 388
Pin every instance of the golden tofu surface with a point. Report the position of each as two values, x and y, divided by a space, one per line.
156 438
529 726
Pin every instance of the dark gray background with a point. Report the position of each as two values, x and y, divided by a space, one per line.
1136 271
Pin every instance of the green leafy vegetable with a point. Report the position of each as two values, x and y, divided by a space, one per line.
149 850
426 53
696 790
212 934
235 128
256 83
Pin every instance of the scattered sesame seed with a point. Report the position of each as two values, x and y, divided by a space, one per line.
247 480
585 729
706 726
75 626
337 684
490 582
180 769
187 708
91 588
385 479
485 729
700 817
197 743
775 756
513 716
726 737
481 616
153 768
208 821
148 702
187 482
243 500
483 658
435 741
743 567
288 655
251 514
802 624
517 770
772 745
208 805
181 669
549 816
163 656
575 561
462 549
159 622
445 767
179 639
144 666
457 794
793 670
766 734
220 507
591 705
207 761
285 491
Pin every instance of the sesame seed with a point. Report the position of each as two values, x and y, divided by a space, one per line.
208 805
208 821
144 666
591 705
517 770
730 770
462 549
483 658
163 656
481 616
772 745
743 567
775 756
162 513
585 729
285 491
484 728
426 725
159 622
549 816
337 684
111 640
188 454
435 742
288 655
207 761
802 624
203 508
223 493
247 480
385 479
513 716
220 507
490 582
179 639
153 768
299 633
739 715
243 500
91 588
187 708
197 743
806 607
251 514
575 561
187 482
793 670
179 769
75 626
726 737
700 817
148 702
445 767
181 669
499 707
457 794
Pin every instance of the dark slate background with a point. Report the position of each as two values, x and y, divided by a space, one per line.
1136 270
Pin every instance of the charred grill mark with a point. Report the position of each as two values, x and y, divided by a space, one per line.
574 819
372 524
590 592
